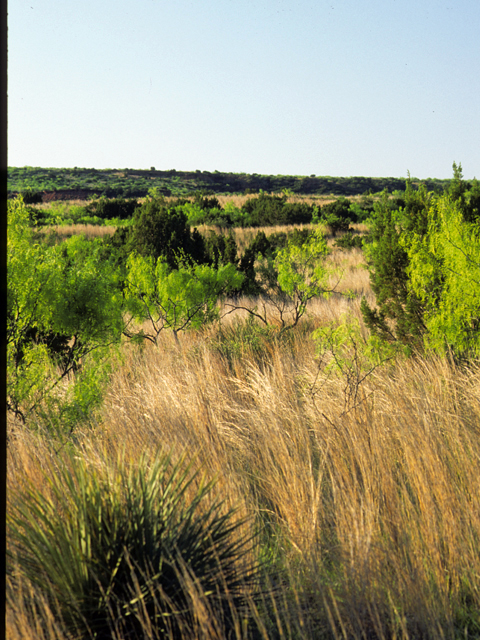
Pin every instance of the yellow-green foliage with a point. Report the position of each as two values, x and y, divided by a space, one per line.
175 298
444 273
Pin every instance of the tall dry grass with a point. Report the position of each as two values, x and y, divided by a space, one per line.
366 503
62 232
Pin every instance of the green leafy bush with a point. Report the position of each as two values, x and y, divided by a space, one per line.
63 304
295 237
360 211
444 273
125 548
335 216
116 208
220 249
159 231
32 197
286 280
424 260
260 245
273 210
175 299
349 241
399 311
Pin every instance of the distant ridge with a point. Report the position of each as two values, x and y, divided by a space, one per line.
79 183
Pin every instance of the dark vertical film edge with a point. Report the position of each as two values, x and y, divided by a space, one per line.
3 304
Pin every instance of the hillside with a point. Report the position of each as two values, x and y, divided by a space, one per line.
81 183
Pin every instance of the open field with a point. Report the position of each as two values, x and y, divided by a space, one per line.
242 236
360 482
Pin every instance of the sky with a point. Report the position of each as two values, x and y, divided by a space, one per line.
332 88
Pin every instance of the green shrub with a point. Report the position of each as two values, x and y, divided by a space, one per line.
119 549
349 241
117 208
360 212
424 261
273 210
160 231
296 237
260 245
399 313
206 203
220 249
32 197
63 304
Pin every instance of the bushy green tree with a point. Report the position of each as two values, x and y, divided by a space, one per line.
444 273
399 312
32 197
220 249
175 299
424 268
259 246
105 209
288 280
161 231
337 216
63 303
269 210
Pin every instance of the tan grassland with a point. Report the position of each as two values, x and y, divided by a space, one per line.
367 492
243 236
63 232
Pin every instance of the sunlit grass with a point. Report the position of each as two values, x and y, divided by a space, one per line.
365 503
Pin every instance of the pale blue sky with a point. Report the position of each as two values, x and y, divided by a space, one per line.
337 87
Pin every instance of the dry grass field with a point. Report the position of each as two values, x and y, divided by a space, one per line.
364 493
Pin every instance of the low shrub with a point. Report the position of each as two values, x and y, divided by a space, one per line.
116 208
132 547
349 241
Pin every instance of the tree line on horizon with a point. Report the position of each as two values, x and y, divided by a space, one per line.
76 182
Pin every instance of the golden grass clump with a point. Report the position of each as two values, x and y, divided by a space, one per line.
62 232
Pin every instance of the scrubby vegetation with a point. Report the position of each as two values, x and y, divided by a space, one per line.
136 183
231 434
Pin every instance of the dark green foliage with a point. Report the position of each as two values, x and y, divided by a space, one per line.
32 197
160 231
108 209
467 195
399 313
220 249
337 216
137 183
132 549
206 203
296 237
57 344
267 248
273 210
349 241
361 210
340 208
259 245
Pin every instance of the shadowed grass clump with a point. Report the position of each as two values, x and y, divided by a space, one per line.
131 550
